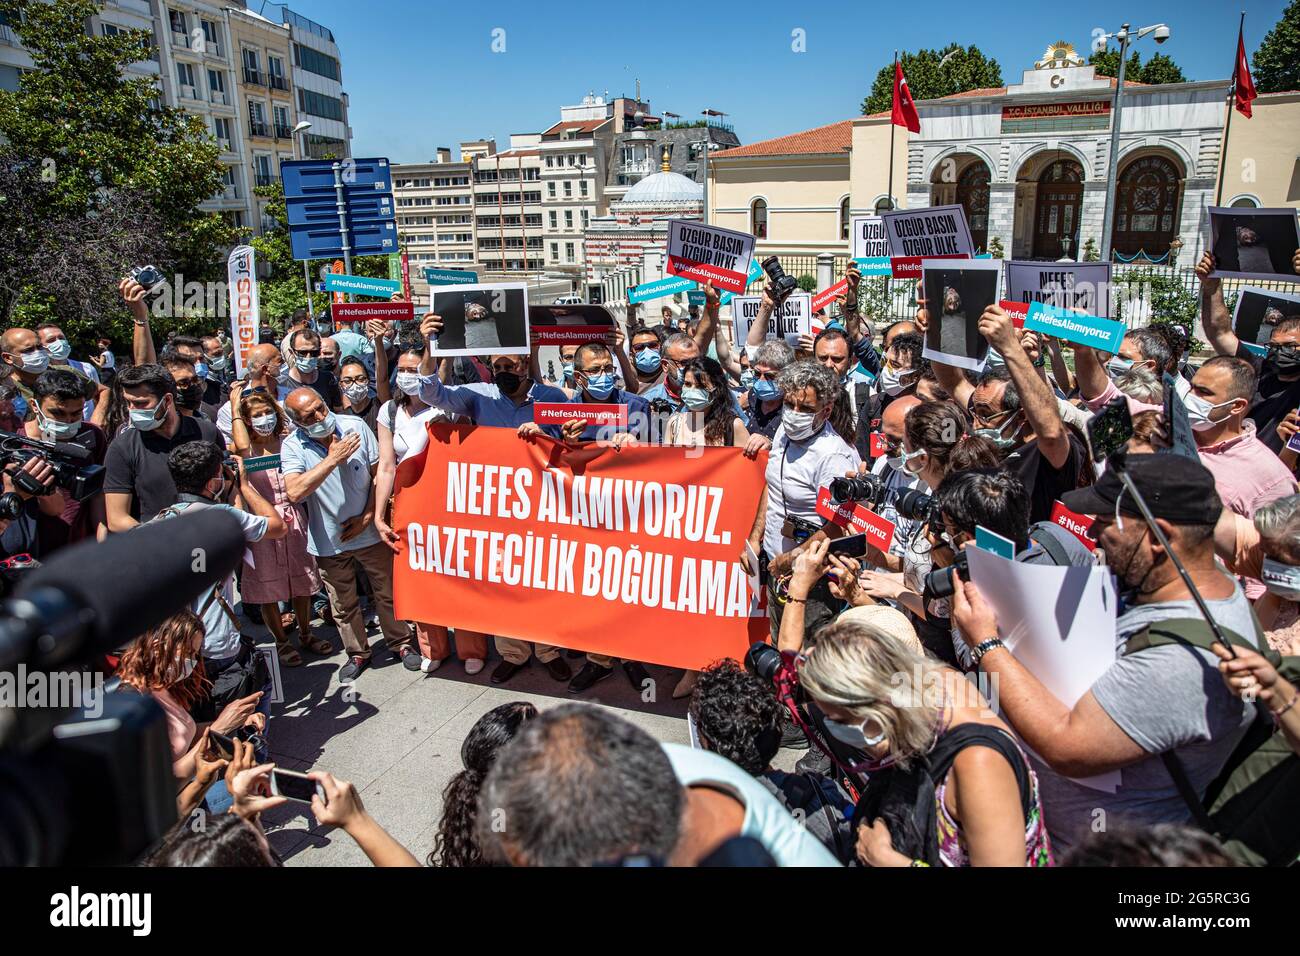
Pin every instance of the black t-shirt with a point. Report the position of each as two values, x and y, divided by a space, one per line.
1274 400
137 464
215 394
1043 482
326 386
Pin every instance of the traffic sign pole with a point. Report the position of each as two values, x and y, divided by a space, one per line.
306 284
343 220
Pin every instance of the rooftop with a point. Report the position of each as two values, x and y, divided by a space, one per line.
835 138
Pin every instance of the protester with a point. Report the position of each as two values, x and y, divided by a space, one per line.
304 368
402 424
1267 549
678 349
948 785
456 842
266 373
137 482
594 384
282 570
1154 700
506 403
647 357
329 462
105 361
762 400
189 384
580 786
216 375
736 716
359 398
60 351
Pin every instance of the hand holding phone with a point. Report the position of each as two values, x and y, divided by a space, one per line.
295 786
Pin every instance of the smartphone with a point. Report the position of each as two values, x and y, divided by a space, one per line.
1110 429
222 745
850 546
295 786
148 276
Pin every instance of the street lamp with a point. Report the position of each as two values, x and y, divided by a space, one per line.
1112 181
306 269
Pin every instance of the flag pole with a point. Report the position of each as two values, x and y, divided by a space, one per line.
889 189
1232 95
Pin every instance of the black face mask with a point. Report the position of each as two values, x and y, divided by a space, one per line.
326 365
508 382
1282 361
191 397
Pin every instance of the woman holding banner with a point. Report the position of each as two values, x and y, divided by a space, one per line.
402 430
281 570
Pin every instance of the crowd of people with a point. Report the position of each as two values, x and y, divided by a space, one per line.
303 449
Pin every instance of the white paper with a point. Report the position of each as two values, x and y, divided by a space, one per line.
792 318
1058 621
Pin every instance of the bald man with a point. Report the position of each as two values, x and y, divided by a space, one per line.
329 463
265 370
22 352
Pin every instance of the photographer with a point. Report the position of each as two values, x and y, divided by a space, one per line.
58 395
1015 408
20 526
1157 698
806 456
948 785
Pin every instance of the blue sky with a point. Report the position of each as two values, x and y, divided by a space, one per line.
423 75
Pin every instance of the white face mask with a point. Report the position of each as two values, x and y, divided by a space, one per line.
59 349
54 430
797 425
891 380
1281 579
1199 411
35 362
358 391
264 424
187 668
910 456
409 382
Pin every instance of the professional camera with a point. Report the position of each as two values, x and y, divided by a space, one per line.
866 488
780 285
918 506
73 470
150 277
11 506
941 582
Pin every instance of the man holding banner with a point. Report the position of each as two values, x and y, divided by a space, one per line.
505 403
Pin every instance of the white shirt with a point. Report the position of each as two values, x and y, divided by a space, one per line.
108 359
409 435
897 482
796 471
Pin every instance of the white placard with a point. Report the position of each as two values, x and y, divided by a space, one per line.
929 232
790 320
868 238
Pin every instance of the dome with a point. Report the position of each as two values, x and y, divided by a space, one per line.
664 188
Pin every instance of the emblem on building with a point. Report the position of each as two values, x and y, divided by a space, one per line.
1059 56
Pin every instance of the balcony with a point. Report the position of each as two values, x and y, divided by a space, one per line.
224 144
637 167
254 77
278 82
283 131
265 179
189 92
180 40
258 129
219 97
229 194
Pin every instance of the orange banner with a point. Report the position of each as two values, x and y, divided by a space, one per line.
634 553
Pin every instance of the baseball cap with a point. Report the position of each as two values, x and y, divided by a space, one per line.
1175 487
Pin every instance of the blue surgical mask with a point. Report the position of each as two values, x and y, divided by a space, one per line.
765 390
1281 579
59 349
1118 366
218 364
568 371
696 399
601 386
747 378
648 361
996 436
306 364
147 419
321 428
201 369
995 359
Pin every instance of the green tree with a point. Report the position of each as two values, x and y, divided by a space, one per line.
968 69
1158 69
1276 64
98 143
284 292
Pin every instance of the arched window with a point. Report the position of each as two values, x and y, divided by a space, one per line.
1147 202
1244 202
973 195
844 219
758 219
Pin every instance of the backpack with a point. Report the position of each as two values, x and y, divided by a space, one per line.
1250 806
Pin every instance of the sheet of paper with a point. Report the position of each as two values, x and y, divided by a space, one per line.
1058 621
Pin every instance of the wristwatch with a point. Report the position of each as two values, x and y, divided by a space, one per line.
984 647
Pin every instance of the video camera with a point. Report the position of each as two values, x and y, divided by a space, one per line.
73 470
86 777
872 490
780 284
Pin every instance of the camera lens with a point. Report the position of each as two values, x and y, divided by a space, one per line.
763 660
941 582
913 504
11 506
866 488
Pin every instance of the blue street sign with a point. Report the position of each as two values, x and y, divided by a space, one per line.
321 209
323 242
306 177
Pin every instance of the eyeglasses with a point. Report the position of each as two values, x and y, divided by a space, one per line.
607 369
983 413
355 381
765 376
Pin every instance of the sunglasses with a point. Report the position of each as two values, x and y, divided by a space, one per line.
307 353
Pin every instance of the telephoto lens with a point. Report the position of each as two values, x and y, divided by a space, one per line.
763 660
940 583
868 488
11 506
917 506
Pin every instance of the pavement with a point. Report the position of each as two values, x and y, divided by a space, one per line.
396 735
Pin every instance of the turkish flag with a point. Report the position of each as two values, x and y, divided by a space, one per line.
1242 85
904 109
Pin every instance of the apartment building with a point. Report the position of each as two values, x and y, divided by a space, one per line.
435 212
508 209
317 84
114 16
572 156
266 103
